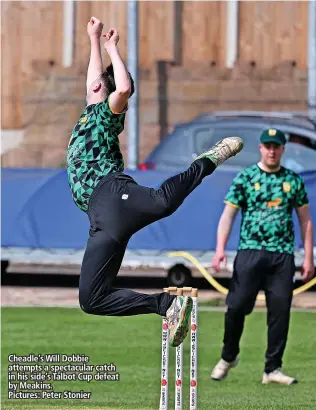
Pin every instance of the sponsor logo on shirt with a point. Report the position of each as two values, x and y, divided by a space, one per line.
286 187
274 203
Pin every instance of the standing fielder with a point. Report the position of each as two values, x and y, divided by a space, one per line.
266 193
116 205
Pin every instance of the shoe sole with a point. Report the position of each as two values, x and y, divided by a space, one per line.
183 327
285 384
220 380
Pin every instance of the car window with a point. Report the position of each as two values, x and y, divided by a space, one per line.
203 140
173 151
301 140
300 153
299 158
251 137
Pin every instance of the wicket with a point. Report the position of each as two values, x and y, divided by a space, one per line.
179 357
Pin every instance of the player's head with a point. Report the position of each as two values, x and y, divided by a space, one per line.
109 76
104 85
272 147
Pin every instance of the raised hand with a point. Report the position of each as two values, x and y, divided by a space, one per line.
111 38
94 27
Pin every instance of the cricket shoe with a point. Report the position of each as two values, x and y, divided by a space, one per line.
178 316
278 377
223 150
222 368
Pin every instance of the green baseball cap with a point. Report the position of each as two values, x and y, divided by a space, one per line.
273 135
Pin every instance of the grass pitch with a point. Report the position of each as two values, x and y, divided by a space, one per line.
133 345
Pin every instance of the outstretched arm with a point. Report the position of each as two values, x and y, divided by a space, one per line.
118 99
95 68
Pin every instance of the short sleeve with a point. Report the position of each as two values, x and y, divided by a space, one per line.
103 108
301 198
236 194
106 109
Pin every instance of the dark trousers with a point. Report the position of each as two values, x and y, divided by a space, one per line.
274 273
118 208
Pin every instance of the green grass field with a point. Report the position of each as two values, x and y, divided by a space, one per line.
133 345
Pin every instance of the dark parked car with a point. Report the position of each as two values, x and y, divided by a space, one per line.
178 149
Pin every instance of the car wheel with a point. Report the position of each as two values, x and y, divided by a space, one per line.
179 276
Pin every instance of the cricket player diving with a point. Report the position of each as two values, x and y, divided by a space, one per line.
117 207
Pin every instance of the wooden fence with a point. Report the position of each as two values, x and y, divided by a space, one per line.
180 32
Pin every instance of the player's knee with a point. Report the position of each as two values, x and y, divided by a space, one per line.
86 303
242 306
86 307
93 303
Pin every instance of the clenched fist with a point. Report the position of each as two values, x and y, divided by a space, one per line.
95 27
111 38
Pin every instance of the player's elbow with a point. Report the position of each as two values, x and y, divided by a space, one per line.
124 91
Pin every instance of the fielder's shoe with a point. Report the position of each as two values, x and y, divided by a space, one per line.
278 377
223 150
178 316
222 368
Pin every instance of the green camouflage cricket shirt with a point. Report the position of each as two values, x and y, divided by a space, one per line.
267 201
93 150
